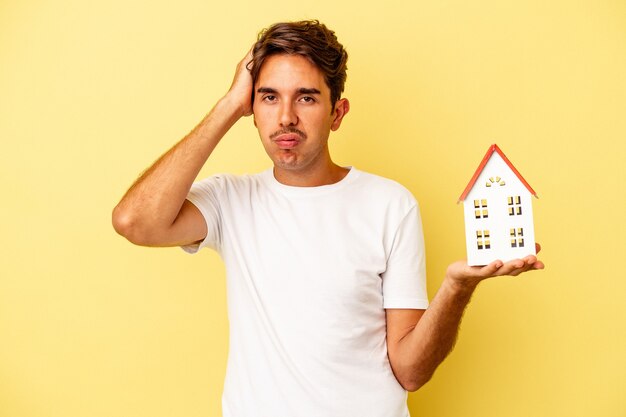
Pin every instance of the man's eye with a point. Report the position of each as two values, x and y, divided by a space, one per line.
307 99
269 98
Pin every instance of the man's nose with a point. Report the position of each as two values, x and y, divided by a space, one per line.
288 115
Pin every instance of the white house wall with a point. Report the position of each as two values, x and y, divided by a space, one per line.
499 222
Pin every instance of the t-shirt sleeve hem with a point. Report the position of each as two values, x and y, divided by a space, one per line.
195 247
406 302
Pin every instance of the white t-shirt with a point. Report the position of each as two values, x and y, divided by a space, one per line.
310 271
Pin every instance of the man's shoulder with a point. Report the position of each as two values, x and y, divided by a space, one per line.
387 186
229 180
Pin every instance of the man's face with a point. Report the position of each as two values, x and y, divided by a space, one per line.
293 113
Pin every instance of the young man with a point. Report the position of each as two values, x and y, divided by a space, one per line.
327 299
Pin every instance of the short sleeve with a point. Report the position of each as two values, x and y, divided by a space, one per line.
404 280
205 195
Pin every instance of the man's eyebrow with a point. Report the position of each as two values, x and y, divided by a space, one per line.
301 90
308 91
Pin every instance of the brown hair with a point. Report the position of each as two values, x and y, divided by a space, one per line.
310 39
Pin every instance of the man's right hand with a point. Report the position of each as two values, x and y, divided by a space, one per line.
240 91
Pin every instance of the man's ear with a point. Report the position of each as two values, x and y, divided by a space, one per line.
342 107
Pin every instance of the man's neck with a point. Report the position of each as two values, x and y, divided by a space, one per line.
331 175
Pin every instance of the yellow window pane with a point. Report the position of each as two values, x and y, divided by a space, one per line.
519 210
517 200
513 243
487 184
477 213
476 204
502 183
510 200
487 244
511 211
485 214
521 243
479 234
497 179
491 179
483 203
512 232
520 232
486 232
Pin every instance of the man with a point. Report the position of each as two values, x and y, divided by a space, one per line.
326 280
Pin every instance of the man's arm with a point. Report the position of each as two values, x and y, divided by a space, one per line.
154 211
419 340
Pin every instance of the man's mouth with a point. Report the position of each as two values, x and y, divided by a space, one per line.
289 139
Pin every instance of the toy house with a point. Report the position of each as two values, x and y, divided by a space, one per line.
498 212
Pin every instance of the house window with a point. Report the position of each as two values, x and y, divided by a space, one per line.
514 205
517 237
480 209
483 239
495 181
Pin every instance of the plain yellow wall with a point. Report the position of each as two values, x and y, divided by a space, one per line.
91 92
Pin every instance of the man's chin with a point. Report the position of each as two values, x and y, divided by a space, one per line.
286 160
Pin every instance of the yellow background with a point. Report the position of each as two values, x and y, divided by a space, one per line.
91 92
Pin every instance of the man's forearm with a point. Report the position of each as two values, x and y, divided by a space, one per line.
155 199
429 342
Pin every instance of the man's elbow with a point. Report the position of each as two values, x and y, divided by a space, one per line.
414 382
126 225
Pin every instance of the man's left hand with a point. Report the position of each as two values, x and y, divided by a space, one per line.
465 276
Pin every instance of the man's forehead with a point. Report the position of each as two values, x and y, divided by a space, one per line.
294 72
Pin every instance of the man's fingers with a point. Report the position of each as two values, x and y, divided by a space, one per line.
498 267
241 88
510 267
517 266
491 269
246 59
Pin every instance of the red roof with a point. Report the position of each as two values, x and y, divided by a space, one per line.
494 148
